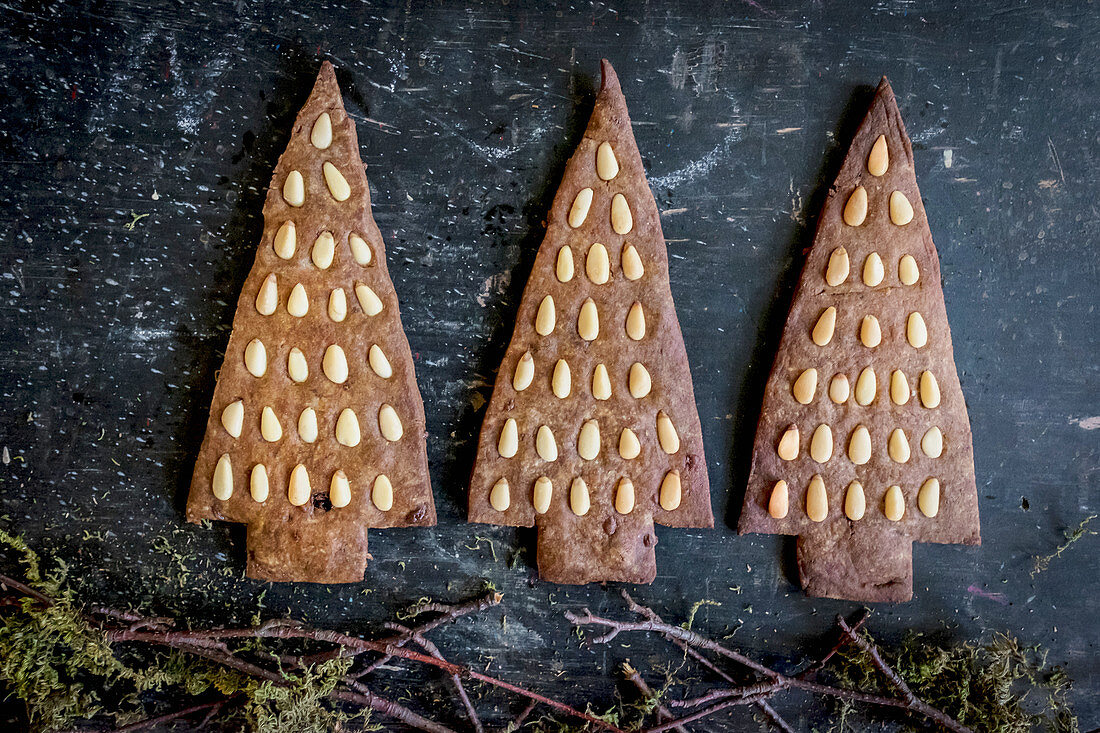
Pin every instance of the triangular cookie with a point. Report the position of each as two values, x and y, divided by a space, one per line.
592 433
316 429
864 444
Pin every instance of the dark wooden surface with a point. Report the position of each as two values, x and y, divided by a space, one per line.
466 115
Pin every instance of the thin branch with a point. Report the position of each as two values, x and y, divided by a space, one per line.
841 642
520 719
663 714
432 649
212 707
364 697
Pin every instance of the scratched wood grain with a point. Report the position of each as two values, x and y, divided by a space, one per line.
114 111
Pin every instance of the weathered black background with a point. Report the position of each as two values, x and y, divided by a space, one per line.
466 116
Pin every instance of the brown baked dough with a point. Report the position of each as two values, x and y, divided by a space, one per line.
315 538
603 543
870 558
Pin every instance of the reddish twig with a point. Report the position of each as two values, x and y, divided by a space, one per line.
211 707
432 649
841 642
663 713
520 719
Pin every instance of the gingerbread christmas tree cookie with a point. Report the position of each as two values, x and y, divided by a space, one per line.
864 444
592 434
316 429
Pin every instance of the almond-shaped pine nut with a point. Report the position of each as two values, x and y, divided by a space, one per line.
624 496
870 332
826 324
894 504
562 381
379 363
629 445
579 500
222 485
335 364
666 434
360 250
805 386
545 444
779 500
601 383
916 331
635 322
541 495
347 428
339 490
859 446
597 264
259 486
337 305
368 301
563 268
299 491
639 381
866 387
788 444
588 321
622 221
296 365
286 240
546 318
381 493
270 428
821 444
839 389
337 184
901 211
297 304
672 492
899 387
898 446
631 263
581 204
878 161
294 189
908 272
855 211
931 444
307 425
525 372
817 499
321 134
928 498
267 299
389 424
607 165
508 442
255 358
929 390
233 418
324 250
855 502
873 270
588 441
837 270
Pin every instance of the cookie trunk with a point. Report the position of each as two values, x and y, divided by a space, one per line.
869 564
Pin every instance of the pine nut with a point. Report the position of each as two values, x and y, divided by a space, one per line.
622 221
563 268
597 265
337 184
601 383
307 425
823 329
588 321
779 501
666 434
870 333
581 204
546 318
321 135
562 381
337 305
855 211
899 387
866 387
270 428
545 444
894 504
508 442
901 211
389 424
255 358
855 502
360 250
879 159
873 270
259 486
542 494
579 500
908 272
222 485
821 444
928 498
817 500
588 442
631 263
932 442
839 389
379 363
339 490
267 299
347 428
297 304
296 365
294 189
299 490
525 372
381 493
929 390
368 301
635 322
805 386
629 445
837 270
233 418
898 446
624 496
324 250
916 331
607 166
335 364
788 444
639 381
859 446
671 491
285 240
